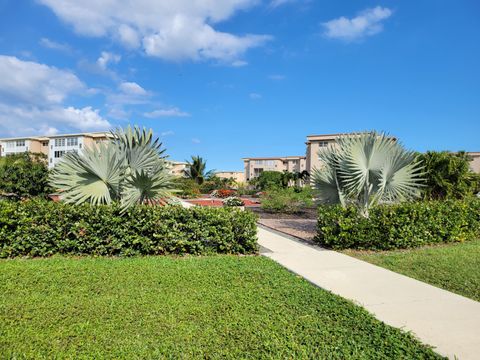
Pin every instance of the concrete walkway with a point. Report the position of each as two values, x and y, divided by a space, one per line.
449 322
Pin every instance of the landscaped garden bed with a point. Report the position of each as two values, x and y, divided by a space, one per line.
191 307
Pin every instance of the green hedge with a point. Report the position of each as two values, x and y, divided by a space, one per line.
400 226
41 228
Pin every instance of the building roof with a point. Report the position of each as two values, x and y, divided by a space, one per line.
275 158
334 136
44 138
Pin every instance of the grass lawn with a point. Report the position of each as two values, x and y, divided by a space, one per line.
454 267
193 307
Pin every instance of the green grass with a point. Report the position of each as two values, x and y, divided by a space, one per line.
454 267
192 307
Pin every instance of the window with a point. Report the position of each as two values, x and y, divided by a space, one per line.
20 143
59 154
270 163
80 145
257 172
323 143
51 160
259 162
59 142
10 144
45 143
73 141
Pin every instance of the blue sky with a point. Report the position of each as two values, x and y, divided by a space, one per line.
227 79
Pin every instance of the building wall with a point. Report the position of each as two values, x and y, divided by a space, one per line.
255 166
177 168
238 176
475 163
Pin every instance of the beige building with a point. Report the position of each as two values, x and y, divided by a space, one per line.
177 168
475 162
253 167
54 147
238 176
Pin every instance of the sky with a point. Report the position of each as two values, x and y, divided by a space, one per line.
226 79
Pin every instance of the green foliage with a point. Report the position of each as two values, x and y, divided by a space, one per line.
399 226
269 180
187 188
366 169
233 201
196 170
453 267
448 175
24 175
219 307
289 201
130 168
215 183
41 228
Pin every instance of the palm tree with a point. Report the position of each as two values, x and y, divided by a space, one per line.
196 170
129 168
366 169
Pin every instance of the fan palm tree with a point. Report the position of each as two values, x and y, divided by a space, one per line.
129 168
366 169
196 170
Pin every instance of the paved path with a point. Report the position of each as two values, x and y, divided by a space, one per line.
449 322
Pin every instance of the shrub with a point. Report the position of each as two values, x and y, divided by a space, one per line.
41 228
288 200
399 226
223 193
24 175
187 188
233 201
448 175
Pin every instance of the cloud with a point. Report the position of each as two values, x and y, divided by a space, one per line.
367 23
196 141
255 96
169 112
167 133
50 44
277 3
239 63
132 88
171 30
277 77
106 58
32 99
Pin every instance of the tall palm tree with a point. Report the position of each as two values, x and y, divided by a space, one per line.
366 169
196 170
129 168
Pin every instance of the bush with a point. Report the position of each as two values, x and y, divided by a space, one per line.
41 228
399 226
233 201
448 175
290 200
187 188
24 175
223 193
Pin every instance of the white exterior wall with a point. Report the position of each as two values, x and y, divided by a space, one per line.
6 150
52 148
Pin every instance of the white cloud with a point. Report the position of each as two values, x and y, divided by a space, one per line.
239 63
277 3
171 30
366 23
50 44
255 96
32 97
169 112
167 133
34 83
132 88
196 141
277 77
106 58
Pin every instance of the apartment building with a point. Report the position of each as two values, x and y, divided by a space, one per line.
238 176
253 167
475 162
54 147
177 168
